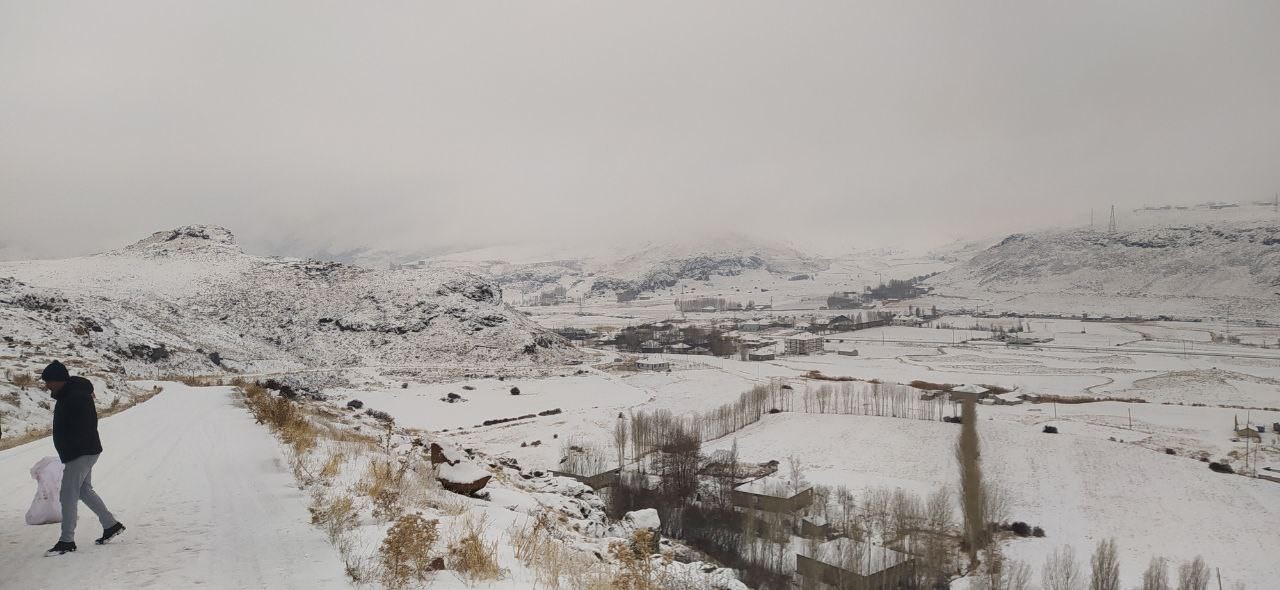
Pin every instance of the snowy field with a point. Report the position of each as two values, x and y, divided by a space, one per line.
1080 485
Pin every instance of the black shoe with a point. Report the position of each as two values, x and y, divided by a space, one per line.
107 534
61 548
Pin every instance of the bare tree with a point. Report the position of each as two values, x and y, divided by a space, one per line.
1060 571
937 550
1105 571
1001 574
972 501
795 467
995 502
1193 575
620 439
1156 577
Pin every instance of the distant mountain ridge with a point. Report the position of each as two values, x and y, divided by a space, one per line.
1225 263
644 266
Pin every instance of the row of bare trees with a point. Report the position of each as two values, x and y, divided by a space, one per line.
870 399
647 430
1062 571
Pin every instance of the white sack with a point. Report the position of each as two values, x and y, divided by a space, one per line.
46 508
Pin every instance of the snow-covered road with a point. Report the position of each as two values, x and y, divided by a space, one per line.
206 495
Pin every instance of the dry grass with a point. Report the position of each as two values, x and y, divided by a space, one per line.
472 557
335 516
636 570
555 564
197 380
289 422
117 406
21 379
336 432
406 552
31 434
333 466
383 483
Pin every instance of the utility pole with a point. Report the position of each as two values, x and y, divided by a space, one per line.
1111 228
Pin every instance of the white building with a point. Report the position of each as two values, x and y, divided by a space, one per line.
803 343
652 364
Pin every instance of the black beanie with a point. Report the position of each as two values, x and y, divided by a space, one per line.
56 371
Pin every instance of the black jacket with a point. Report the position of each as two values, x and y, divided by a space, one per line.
75 421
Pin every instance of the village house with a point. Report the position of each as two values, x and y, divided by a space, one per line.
805 343
771 494
653 364
907 320
845 564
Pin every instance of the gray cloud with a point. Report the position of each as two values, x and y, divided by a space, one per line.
333 125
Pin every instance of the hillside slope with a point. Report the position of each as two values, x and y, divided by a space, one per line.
1211 269
189 301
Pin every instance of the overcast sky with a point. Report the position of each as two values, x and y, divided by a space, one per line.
313 125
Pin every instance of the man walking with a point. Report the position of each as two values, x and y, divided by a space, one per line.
75 436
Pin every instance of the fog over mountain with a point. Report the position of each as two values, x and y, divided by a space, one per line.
441 127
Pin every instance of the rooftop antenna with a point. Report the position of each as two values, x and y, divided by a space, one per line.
1111 228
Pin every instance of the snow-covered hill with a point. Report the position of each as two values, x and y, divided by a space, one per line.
643 266
189 301
1185 266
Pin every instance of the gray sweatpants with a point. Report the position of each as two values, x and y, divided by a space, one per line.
76 486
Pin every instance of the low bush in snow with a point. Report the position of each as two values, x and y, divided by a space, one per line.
471 556
406 552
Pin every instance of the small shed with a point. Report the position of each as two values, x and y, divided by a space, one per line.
652 364
771 494
603 479
850 565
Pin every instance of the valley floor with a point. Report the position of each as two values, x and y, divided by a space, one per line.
205 494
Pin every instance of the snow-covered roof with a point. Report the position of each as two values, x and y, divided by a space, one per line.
860 558
768 486
969 388
804 336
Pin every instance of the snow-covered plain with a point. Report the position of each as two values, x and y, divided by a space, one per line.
1080 485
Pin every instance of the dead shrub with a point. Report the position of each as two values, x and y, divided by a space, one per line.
383 483
473 558
406 551
555 563
333 466
22 380
334 516
637 570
